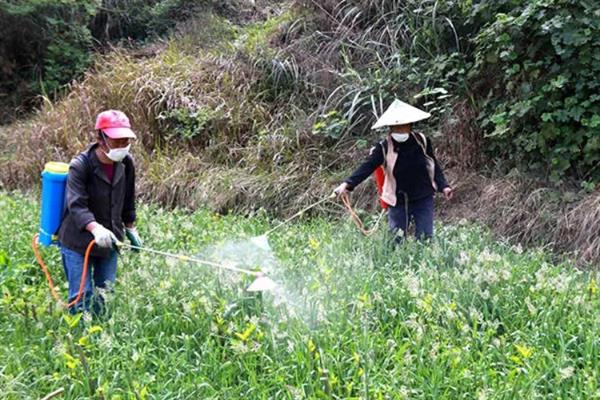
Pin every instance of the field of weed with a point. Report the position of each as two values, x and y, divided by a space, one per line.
353 317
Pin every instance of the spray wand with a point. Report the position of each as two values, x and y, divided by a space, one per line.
261 283
262 240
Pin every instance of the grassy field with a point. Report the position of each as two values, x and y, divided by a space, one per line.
464 317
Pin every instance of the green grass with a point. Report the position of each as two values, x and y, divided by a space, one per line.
462 317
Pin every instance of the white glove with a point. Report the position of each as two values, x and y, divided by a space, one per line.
343 188
103 237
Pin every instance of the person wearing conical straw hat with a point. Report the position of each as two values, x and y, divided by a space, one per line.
412 174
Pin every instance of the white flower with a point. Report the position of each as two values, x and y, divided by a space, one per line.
413 285
482 394
566 373
530 306
463 258
239 347
518 248
87 317
135 356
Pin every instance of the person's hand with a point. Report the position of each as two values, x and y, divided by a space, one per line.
448 193
103 237
133 236
341 189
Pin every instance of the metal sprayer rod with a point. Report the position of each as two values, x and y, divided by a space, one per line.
190 259
299 213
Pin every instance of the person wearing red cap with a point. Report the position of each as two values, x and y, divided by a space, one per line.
99 205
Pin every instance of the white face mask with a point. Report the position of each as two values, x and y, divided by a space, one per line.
400 137
117 155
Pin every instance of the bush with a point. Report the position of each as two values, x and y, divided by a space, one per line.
45 45
536 72
48 43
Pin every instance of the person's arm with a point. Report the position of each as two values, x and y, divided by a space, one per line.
374 160
129 214
440 179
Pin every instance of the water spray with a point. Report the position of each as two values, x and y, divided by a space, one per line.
260 284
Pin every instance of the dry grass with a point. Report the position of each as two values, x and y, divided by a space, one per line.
257 150
525 211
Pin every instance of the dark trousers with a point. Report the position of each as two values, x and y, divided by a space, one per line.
421 211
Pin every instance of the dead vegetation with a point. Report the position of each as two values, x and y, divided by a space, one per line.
230 127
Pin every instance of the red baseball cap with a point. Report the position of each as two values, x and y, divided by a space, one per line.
114 124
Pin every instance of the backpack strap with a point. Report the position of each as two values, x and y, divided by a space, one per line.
422 141
384 151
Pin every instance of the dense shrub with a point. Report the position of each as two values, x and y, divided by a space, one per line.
537 73
48 43
532 76
45 43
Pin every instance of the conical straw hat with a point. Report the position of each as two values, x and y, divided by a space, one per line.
400 113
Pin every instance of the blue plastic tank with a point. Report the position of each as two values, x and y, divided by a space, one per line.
54 181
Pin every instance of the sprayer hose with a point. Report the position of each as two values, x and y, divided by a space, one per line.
88 250
361 226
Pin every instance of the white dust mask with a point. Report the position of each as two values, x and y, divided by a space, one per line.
117 155
400 137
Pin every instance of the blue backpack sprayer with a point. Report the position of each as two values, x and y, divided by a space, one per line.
54 181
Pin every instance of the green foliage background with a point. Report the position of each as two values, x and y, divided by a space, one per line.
529 70
48 43
510 83
537 73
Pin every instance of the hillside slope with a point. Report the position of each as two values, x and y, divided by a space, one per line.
271 110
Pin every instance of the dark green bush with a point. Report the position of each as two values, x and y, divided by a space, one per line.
530 69
537 73
48 43
45 44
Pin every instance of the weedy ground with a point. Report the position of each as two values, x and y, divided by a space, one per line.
460 317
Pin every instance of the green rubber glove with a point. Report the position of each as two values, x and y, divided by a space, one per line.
134 237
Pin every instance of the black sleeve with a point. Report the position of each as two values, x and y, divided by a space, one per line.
440 179
128 214
374 160
76 194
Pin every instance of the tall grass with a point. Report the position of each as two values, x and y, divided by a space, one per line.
463 316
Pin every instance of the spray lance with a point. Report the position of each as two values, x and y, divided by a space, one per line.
261 283
262 241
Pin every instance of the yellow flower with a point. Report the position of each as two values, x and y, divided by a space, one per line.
71 361
72 321
593 287
524 351
84 341
311 346
246 334
94 329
